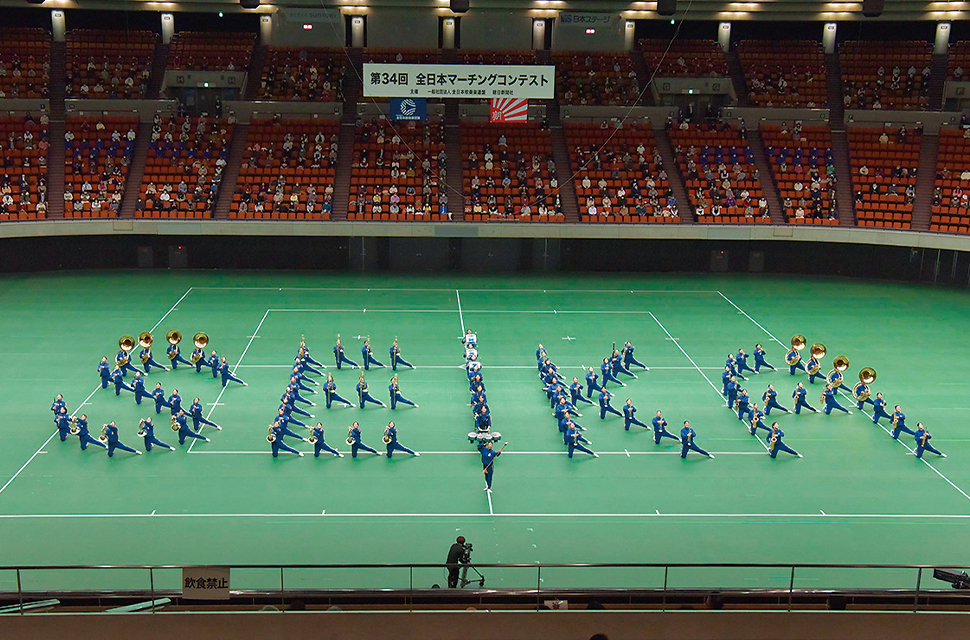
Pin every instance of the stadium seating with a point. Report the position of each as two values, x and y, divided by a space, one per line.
24 63
23 185
801 164
97 155
525 159
883 75
595 78
718 169
287 170
398 171
303 74
109 64
951 197
627 170
958 61
401 56
884 163
186 157
199 50
685 58
784 73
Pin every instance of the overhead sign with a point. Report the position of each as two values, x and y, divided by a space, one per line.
459 81
585 20
409 109
509 110
305 16
205 583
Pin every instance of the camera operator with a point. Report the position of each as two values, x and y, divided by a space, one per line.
455 554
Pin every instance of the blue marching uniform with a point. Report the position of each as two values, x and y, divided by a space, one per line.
605 406
185 431
879 410
120 383
199 356
63 426
297 380
115 443
340 357
396 359
367 356
227 375
591 384
104 371
629 360
175 403
576 393
358 445
732 365
289 401
394 445
148 361
859 388
812 363
84 436
363 396
617 366
900 419
123 356
150 439
284 422
725 379
483 421
757 422
175 357
744 405
197 418
278 444
798 365
732 393
305 365
660 430
923 443
775 444
629 417
320 445
607 373
832 403
573 441
306 356
741 361
687 443
799 396
330 392
158 395
770 398
138 386
395 394
488 463
56 407
213 364
285 415
759 361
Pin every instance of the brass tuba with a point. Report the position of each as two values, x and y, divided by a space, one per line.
74 428
387 437
818 352
141 428
839 364
145 342
867 376
175 424
350 438
798 342
127 344
173 337
201 341
104 433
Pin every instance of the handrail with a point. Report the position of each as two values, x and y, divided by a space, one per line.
509 565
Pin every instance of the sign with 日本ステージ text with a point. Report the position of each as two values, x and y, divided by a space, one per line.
585 20
205 583
459 81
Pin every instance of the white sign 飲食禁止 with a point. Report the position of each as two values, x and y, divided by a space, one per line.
205 583
585 20
537 82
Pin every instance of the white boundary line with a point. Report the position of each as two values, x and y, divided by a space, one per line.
844 394
461 317
495 290
530 453
479 311
491 366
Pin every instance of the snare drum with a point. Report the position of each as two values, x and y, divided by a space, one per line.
472 436
496 436
484 437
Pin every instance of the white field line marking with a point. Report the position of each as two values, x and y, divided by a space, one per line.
849 397
489 494
461 316
491 366
655 514
90 395
522 453
700 371
497 290
223 390
479 311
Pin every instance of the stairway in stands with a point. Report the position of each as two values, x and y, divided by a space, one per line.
455 183
564 170
254 75
925 182
55 154
768 186
845 198
833 81
345 141
673 175
136 170
158 71
237 149
737 78
938 72
643 78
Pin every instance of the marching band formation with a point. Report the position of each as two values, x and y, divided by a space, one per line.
483 434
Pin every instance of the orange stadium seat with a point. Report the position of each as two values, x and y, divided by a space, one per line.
303 74
588 77
784 73
109 64
211 51
25 63
23 185
685 58
884 161
951 197
886 75
96 163
803 170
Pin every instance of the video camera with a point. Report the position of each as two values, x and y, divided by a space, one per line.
466 553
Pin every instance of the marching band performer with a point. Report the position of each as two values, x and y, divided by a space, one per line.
138 387
725 379
814 369
57 405
175 402
284 413
367 355
744 404
775 444
396 359
195 411
757 420
213 364
605 406
794 357
617 366
471 354
606 369
576 392
330 391
899 423
628 359
394 389
175 356
355 442
488 461
84 435
110 432
469 339
687 442
123 361
340 357
733 367
573 440
275 438
198 357
770 398
118 379
741 361
305 365
629 416
180 423
923 436
319 444
227 374
879 409
297 380
483 420
858 390
294 393
759 359
831 402
363 396
541 355
390 439
63 421
799 395
104 371
660 429
591 383
563 405
305 354
147 430
732 392
147 361
158 395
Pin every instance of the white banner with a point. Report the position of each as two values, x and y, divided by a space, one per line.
308 16
585 20
459 81
205 583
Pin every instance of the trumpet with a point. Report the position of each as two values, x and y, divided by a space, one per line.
175 424
387 437
271 437
350 438
104 433
834 378
141 430
145 340
74 428
200 340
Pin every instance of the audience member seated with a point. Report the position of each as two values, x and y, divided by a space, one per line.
510 57
885 75
884 163
717 165
287 170
509 173
686 58
619 174
186 158
307 75
803 170
784 73
401 56
97 152
595 78
958 61
216 51
23 179
951 194
399 172
25 63
109 64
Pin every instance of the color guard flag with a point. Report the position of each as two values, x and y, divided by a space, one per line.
509 110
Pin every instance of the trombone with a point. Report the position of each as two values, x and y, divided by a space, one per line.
818 352
834 378
798 342
867 376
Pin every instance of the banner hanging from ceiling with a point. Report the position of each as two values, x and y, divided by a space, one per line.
535 82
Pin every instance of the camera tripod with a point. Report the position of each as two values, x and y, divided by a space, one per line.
464 582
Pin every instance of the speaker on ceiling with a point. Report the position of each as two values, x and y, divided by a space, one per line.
666 7
35 1
249 4
459 6
872 8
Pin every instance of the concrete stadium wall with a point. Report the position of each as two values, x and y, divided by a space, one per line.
483 28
